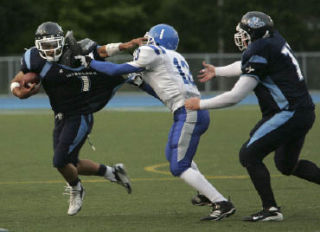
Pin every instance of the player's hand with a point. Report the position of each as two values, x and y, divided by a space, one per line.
133 43
26 90
207 73
135 79
192 103
84 60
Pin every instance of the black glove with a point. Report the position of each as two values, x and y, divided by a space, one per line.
84 60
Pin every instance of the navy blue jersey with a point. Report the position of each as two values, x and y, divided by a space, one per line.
281 83
71 91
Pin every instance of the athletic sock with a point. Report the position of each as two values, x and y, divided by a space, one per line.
260 178
102 170
200 183
109 173
75 183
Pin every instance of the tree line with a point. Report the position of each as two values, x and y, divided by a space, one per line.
205 26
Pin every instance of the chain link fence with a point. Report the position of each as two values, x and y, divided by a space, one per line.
309 63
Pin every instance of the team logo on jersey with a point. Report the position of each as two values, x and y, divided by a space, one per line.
249 69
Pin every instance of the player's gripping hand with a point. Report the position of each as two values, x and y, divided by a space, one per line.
135 79
192 103
84 60
207 73
26 90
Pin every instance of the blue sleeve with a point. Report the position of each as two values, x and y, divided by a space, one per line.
113 69
147 88
32 62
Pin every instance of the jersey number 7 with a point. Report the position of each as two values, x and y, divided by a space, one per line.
287 51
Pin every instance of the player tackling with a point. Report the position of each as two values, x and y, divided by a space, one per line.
168 74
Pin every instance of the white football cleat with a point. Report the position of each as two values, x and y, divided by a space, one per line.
122 177
76 197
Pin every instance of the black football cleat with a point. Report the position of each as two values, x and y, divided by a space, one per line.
270 214
200 200
220 210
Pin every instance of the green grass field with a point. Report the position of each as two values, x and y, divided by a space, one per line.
31 189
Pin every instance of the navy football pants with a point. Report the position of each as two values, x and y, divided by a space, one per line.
68 137
283 133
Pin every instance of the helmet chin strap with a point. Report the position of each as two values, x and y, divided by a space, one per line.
267 34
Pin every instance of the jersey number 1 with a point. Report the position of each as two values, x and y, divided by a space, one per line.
85 84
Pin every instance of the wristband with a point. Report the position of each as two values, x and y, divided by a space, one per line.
14 85
112 48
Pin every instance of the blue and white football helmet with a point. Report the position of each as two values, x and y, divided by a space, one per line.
163 35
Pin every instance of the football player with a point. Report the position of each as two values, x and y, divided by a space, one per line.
75 93
269 68
167 73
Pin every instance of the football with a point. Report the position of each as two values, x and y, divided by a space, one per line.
30 78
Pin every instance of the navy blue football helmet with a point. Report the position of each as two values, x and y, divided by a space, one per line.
163 35
253 25
49 40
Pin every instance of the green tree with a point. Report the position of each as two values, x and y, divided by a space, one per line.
203 26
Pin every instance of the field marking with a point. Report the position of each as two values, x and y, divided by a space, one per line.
172 178
83 181
154 169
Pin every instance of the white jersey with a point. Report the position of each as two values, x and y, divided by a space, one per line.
167 72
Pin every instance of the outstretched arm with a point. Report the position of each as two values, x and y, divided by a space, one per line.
114 48
209 71
113 69
106 67
241 89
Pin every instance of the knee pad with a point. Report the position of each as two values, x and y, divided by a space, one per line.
177 170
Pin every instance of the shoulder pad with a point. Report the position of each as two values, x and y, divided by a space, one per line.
31 60
70 50
71 43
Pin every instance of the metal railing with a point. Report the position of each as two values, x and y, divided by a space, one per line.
309 62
